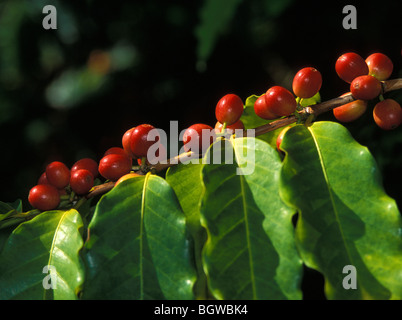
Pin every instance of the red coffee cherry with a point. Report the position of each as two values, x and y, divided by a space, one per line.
44 197
307 82
380 66
280 101
387 114
58 174
229 129
139 143
43 179
196 134
365 87
88 164
115 150
280 138
81 181
113 166
126 142
229 109
350 66
350 111
261 109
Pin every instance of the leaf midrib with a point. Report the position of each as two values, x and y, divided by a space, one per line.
246 222
250 255
141 236
52 247
324 170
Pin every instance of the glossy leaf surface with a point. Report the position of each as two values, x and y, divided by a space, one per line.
345 217
185 179
41 258
250 252
138 246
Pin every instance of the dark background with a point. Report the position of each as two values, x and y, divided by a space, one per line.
111 65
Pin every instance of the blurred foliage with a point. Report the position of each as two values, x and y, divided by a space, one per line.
215 18
74 91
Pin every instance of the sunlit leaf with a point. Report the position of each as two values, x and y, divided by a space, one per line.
185 180
250 251
138 246
50 241
345 217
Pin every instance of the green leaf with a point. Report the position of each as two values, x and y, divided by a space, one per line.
215 17
250 251
345 217
311 101
6 209
167 236
138 246
17 205
7 214
52 238
185 180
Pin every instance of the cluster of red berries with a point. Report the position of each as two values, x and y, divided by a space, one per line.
275 103
279 102
228 111
58 180
115 165
364 77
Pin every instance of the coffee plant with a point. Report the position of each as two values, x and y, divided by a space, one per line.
239 213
